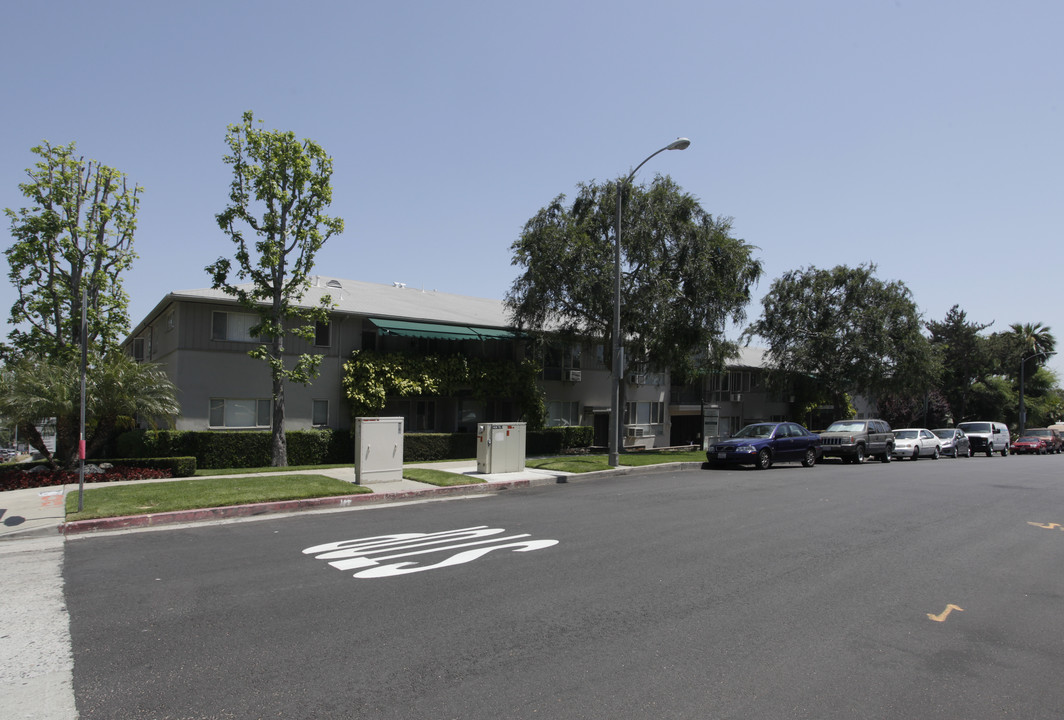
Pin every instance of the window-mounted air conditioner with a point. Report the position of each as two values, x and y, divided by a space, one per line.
635 432
736 397
635 379
573 375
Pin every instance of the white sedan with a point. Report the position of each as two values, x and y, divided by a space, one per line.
916 443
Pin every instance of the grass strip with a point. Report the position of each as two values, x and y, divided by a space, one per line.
194 494
592 463
439 478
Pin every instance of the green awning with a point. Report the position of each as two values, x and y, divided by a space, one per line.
404 328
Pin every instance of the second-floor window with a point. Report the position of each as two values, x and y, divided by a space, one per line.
233 326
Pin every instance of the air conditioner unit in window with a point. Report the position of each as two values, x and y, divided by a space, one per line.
637 379
573 375
635 432
736 397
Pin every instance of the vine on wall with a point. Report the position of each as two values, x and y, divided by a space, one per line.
370 378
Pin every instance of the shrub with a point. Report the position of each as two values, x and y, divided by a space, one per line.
18 479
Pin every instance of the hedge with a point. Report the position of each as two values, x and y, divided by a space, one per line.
322 447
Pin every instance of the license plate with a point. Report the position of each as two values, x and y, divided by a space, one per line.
722 456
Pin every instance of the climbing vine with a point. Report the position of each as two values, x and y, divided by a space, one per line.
370 378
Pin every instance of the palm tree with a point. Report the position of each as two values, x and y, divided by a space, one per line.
35 390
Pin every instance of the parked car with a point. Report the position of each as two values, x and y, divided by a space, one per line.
954 442
855 440
988 437
1029 444
762 444
916 443
1050 435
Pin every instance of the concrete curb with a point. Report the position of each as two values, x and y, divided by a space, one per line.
348 501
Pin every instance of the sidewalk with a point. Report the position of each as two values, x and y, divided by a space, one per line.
39 512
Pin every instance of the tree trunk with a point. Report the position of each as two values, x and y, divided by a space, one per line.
278 442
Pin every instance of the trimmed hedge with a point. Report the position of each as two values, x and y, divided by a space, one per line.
321 447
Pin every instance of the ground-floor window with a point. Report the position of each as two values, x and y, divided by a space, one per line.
240 412
561 414
320 413
644 413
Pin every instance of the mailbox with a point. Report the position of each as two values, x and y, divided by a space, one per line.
378 449
500 447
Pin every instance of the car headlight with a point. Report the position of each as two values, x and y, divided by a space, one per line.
745 449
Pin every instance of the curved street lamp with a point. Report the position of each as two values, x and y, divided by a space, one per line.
618 347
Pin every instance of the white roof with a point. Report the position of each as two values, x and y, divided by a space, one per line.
396 301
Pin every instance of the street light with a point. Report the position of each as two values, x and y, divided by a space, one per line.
618 347
1023 411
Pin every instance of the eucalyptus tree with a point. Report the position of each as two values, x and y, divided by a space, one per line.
280 190
846 328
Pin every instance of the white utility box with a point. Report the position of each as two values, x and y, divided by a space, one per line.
378 449
500 447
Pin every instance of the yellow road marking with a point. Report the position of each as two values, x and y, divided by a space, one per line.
1047 526
945 613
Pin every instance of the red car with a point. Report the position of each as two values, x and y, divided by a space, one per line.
1029 444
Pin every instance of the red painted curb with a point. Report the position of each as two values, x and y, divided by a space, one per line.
283 506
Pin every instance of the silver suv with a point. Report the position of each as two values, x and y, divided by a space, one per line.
855 440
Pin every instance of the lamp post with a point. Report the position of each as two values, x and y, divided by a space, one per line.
1023 410
618 347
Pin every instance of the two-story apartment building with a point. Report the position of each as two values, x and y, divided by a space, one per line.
202 337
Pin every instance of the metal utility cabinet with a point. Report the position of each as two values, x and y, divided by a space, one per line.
378 449
500 447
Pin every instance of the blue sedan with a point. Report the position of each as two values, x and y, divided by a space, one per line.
762 444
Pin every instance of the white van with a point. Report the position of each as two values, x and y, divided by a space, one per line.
988 437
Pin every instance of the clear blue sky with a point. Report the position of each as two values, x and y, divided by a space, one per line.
924 136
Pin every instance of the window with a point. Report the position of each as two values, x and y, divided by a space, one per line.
321 334
562 414
644 413
320 413
171 320
138 349
239 413
233 326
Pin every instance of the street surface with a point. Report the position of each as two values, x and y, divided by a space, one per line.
928 589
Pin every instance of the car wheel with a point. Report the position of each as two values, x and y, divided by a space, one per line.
810 458
1005 451
764 459
887 456
859 456
916 453
935 456
990 450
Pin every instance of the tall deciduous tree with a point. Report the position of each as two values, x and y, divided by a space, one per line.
684 275
850 330
76 235
280 191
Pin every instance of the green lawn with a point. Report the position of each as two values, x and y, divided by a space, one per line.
438 477
141 498
591 463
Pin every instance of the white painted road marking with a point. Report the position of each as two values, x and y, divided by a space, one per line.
355 554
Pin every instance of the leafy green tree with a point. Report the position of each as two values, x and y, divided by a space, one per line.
75 236
280 191
683 275
964 357
118 389
850 330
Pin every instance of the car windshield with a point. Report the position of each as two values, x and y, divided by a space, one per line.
1029 439
846 426
943 433
906 434
756 431
1038 433
976 427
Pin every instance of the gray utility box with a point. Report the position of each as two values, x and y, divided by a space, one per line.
378 449
500 447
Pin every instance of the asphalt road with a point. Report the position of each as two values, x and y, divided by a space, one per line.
928 589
